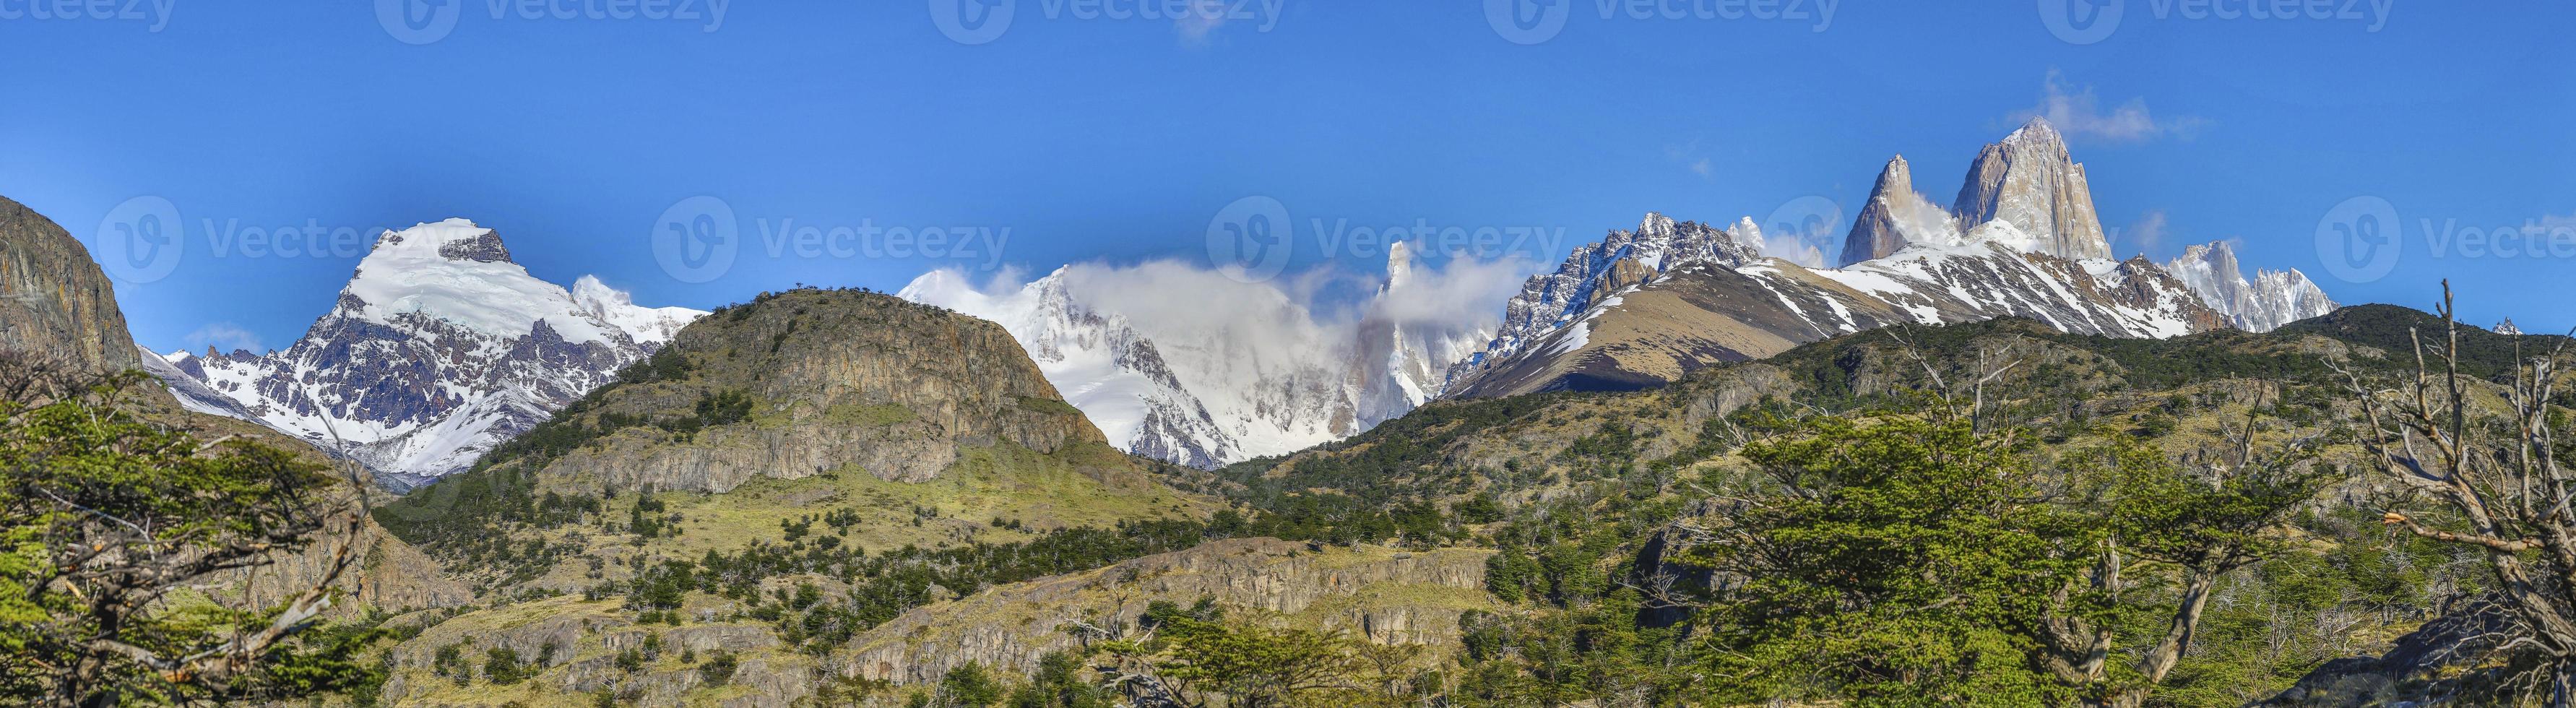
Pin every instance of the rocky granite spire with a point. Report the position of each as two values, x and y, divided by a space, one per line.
2271 299
1873 233
2029 181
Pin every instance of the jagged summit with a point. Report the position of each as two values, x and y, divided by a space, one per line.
2271 299
1896 215
2030 181
438 348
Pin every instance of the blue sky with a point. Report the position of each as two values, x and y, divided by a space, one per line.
1093 137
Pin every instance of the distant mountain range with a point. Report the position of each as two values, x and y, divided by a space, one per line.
1642 308
440 347
1272 383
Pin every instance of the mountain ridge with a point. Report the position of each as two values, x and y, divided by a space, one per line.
438 348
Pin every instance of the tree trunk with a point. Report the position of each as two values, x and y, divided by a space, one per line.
2168 651
2562 683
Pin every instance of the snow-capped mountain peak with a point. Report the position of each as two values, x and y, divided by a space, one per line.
438 348
1242 371
2271 299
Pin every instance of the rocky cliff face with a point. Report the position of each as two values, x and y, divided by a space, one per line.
1896 215
2029 181
1386 596
54 300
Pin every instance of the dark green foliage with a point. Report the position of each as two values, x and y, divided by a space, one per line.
666 364
501 666
719 668
723 408
2483 354
968 686
107 520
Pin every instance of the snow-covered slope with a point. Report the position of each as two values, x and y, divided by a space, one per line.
438 348
2273 298
1634 310
1265 379
1640 331
1594 274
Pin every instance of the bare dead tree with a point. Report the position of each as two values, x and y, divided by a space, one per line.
1991 366
2498 471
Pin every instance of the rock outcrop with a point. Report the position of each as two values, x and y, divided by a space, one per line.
2029 181
1896 215
54 301
834 379
1385 596
2451 660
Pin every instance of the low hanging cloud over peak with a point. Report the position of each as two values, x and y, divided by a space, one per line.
2077 112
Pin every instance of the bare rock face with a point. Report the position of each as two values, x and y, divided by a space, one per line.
1387 597
836 380
1874 233
54 300
2029 181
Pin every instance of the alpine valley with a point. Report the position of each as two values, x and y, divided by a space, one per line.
1978 455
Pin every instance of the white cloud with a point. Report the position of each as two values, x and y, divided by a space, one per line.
2077 112
1311 319
1691 157
1203 17
1793 248
224 336
2145 236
